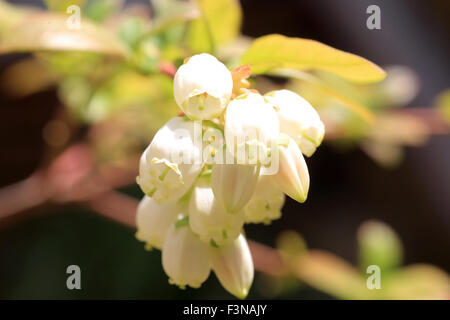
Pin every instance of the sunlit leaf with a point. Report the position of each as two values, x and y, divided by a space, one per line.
62 5
50 32
418 282
379 245
9 16
277 51
172 13
121 91
385 155
99 10
220 22
75 93
291 245
331 274
132 30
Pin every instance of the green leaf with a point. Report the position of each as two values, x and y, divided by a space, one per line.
132 31
291 245
62 5
277 51
331 274
182 222
49 32
443 104
220 22
99 10
418 282
171 13
379 245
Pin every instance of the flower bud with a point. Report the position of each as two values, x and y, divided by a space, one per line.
171 162
153 221
251 128
292 176
202 87
298 119
233 266
185 258
266 202
209 219
234 184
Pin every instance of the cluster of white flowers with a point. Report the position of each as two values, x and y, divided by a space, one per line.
199 198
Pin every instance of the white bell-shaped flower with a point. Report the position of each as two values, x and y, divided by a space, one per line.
185 258
292 176
171 162
233 184
266 202
153 221
202 87
209 219
298 119
233 266
251 129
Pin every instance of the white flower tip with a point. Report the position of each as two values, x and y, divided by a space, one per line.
202 87
233 266
185 258
292 176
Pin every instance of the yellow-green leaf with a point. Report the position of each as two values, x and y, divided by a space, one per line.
331 274
418 282
379 245
443 104
50 32
62 5
9 16
219 23
277 51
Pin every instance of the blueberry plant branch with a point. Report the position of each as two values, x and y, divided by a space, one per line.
35 190
58 185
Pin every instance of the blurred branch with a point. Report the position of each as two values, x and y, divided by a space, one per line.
72 178
428 116
23 195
